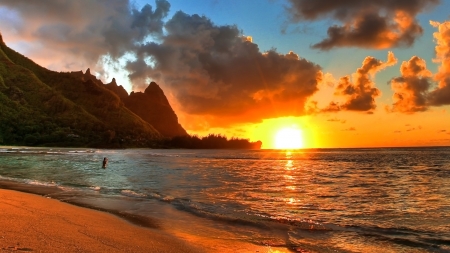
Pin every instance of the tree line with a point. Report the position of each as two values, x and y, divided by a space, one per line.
211 141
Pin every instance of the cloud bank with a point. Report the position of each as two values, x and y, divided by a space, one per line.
375 24
215 70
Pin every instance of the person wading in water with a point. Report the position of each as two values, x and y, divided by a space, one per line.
105 162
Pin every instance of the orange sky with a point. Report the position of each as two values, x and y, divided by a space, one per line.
345 74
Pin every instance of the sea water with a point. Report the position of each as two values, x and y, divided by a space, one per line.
315 200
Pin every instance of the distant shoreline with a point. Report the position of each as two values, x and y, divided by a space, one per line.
303 149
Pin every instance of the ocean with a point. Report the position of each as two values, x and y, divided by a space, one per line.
313 200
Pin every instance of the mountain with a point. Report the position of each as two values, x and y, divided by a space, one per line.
43 107
40 107
153 107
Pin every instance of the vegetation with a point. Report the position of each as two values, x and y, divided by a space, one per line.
212 141
39 107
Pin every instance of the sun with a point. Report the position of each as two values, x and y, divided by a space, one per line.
289 138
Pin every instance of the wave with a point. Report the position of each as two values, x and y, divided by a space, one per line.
131 193
39 183
95 188
44 151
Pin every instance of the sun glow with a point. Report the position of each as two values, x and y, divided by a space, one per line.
289 138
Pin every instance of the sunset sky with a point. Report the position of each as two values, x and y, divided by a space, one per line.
349 73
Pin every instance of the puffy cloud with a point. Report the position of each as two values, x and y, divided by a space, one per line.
375 24
361 93
414 88
84 30
411 88
217 72
441 95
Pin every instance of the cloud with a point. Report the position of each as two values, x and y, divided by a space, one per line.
337 120
411 88
441 95
82 31
217 72
360 91
415 89
375 24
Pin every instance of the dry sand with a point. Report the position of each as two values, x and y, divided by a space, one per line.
33 223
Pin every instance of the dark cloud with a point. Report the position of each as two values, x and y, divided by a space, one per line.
86 29
216 71
411 88
360 91
369 24
337 120
332 107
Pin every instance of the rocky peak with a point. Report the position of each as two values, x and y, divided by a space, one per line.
155 93
153 107
117 89
88 76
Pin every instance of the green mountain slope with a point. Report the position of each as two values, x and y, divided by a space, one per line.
43 107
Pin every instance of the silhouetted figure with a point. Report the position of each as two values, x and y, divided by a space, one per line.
105 162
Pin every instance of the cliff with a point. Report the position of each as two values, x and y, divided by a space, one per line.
153 107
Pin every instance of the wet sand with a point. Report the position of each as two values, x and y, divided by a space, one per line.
33 223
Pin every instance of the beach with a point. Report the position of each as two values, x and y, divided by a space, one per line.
33 223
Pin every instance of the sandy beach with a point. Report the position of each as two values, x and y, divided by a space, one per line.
33 223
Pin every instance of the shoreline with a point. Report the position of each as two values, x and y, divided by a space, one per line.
35 223
32 222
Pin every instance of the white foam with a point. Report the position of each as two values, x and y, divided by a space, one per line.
95 188
131 193
40 183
